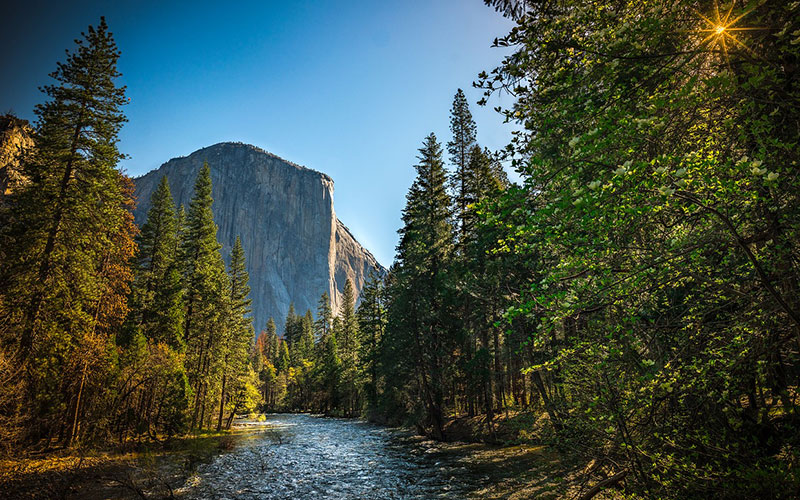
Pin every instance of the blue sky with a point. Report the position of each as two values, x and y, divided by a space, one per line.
349 88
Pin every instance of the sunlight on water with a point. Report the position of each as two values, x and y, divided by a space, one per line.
302 456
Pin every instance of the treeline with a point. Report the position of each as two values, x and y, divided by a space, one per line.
638 289
188 337
325 365
422 346
425 342
105 332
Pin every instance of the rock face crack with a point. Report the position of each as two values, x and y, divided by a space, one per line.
295 247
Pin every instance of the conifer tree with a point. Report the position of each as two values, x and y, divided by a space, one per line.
199 245
237 346
157 292
330 368
271 333
207 297
307 336
463 187
420 316
180 230
349 336
463 128
371 316
290 326
270 347
348 342
68 228
283 358
324 317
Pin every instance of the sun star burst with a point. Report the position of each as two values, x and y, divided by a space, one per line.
722 30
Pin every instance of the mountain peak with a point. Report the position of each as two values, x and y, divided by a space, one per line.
295 247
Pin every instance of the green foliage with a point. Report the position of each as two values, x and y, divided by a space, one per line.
464 131
371 316
323 324
418 321
157 287
659 198
65 241
330 372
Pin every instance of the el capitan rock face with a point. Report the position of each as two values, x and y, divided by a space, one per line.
295 247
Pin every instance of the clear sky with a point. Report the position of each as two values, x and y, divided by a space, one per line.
349 88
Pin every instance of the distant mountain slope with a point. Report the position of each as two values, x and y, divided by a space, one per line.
296 248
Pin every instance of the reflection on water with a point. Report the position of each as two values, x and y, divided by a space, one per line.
301 456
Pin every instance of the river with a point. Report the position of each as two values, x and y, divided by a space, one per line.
292 456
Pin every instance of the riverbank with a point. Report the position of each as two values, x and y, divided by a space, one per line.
290 455
505 428
131 470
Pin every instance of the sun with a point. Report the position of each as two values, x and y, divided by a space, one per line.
722 30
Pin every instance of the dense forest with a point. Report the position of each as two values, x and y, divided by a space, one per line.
636 292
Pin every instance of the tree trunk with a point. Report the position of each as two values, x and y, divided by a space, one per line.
221 402
74 432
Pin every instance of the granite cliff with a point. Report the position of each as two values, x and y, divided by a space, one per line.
16 137
295 247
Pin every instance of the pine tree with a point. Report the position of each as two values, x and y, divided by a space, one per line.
307 336
330 369
464 189
207 298
371 316
69 227
420 318
348 349
290 325
180 230
462 126
324 317
199 246
240 330
283 358
349 335
272 340
157 292
269 343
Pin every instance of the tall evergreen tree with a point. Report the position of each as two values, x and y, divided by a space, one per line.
207 297
330 369
237 346
307 336
157 292
68 235
290 330
283 357
463 128
272 340
463 187
323 325
371 316
420 317
347 338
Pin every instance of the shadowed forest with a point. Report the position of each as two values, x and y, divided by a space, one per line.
631 303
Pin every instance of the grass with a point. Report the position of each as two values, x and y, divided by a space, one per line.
134 469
